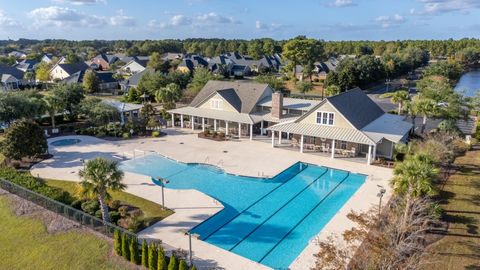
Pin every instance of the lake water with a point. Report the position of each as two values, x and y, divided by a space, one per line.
469 83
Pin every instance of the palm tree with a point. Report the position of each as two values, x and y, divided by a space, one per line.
426 107
99 176
168 94
400 97
54 105
413 178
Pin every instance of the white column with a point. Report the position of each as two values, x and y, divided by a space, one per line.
273 138
203 123
333 148
239 130
214 124
279 137
251 132
192 122
288 135
261 127
181 120
369 156
374 154
301 144
173 120
226 127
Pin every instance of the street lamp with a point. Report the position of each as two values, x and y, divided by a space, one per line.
162 181
190 234
380 196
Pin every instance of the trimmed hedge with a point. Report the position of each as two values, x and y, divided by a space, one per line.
34 184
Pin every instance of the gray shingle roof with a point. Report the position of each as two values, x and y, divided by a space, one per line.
18 74
356 107
249 93
231 96
75 67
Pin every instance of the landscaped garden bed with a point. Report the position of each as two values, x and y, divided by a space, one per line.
213 135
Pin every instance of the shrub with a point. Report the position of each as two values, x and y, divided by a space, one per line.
77 204
126 135
16 164
144 253
161 260
152 256
90 206
98 214
37 185
156 134
117 242
114 216
460 147
193 267
123 210
114 204
183 265
125 247
172 265
134 251
221 135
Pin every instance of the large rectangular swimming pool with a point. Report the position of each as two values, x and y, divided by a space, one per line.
269 221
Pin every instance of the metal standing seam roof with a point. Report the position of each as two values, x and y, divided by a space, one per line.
121 106
243 118
267 116
389 126
321 131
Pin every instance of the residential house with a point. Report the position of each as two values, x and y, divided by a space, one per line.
11 78
191 62
103 61
346 125
47 58
134 64
106 81
169 56
62 71
238 108
239 65
27 65
17 54
134 80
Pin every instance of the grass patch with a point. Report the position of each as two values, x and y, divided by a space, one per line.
151 210
25 244
460 198
386 95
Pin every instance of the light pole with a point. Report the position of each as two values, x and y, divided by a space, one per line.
190 234
388 81
380 196
162 181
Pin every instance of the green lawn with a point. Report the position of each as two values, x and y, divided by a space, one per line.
460 248
149 208
25 244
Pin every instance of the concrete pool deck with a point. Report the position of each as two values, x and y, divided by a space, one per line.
250 158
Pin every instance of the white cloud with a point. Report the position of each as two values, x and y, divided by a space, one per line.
80 2
7 22
343 3
200 20
68 17
435 7
122 20
388 21
267 27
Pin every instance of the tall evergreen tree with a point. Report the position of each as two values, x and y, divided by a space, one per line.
161 261
134 258
152 256
145 253
173 265
125 247
117 242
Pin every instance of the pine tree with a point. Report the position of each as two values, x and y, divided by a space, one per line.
152 256
144 253
183 265
161 261
125 249
193 267
117 242
134 251
173 263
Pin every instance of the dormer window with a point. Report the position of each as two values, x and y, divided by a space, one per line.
325 118
216 104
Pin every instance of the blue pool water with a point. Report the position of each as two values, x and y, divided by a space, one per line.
65 142
266 220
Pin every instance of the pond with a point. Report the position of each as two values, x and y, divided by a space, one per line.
469 83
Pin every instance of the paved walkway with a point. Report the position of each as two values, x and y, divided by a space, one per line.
250 158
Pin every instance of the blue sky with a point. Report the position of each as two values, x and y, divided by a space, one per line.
246 19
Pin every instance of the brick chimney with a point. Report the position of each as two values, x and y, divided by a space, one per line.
277 105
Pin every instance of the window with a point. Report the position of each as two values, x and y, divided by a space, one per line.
325 118
216 104
343 145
